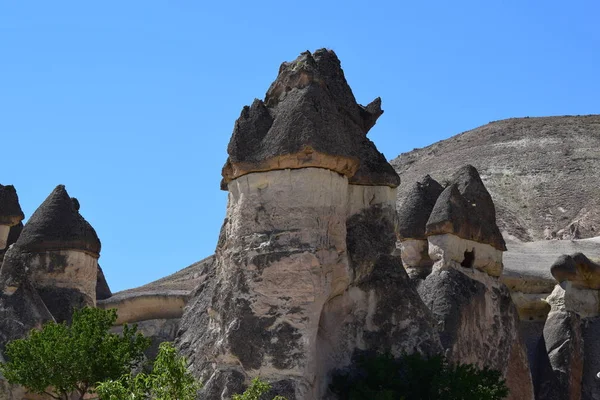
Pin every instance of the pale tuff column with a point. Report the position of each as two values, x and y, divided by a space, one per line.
286 243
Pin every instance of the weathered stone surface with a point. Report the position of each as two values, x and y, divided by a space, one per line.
412 220
302 277
415 258
465 209
591 361
452 251
539 172
102 289
416 208
564 345
309 118
478 323
142 306
10 209
58 225
579 270
21 307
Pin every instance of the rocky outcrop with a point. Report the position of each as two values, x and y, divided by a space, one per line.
462 226
412 221
61 250
309 118
11 216
476 318
537 170
572 328
21 307
304 273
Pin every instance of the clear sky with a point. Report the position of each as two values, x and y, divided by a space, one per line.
131 104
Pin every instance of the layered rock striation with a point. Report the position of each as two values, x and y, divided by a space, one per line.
537 170
304 274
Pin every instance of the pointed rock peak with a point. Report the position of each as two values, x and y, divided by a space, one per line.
10 209
57 225
577 269
309 118
466 209
416 208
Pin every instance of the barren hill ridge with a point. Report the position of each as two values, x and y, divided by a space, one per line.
542 173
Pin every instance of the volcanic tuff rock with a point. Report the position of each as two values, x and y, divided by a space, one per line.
11 216
61 252
465 209
10 210
412 221
309 118
477 320
579 270
57 224
303 273
537 170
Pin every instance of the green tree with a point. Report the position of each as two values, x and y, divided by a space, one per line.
63 360
256 389
168 380
414 377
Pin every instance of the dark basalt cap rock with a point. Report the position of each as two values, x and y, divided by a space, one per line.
57 225
309 118
417 207
10 209
465 209
578 269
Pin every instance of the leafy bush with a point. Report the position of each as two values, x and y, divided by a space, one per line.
413 377
169 380
256 389
63 360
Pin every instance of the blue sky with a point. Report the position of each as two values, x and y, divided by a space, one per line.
131 104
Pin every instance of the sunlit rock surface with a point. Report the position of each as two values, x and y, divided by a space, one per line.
304 274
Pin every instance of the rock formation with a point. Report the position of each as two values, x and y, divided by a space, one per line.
537 170
60 250
11 216
573 325
303 274
412 220
477 320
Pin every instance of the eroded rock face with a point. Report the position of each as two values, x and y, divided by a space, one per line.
61 251
11 216
577 269
412 221
309 118
21 307
538 171
478 323
465 209
572 328
476 318
303 273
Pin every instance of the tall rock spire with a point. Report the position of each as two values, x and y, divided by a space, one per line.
304 275
309 118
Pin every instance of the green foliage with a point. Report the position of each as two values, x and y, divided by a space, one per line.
256 389
60 360
169 380
413 377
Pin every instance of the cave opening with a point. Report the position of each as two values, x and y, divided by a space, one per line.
469 259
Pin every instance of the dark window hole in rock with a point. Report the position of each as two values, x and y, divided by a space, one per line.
469 259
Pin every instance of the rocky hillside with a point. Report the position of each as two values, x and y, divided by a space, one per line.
542 173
